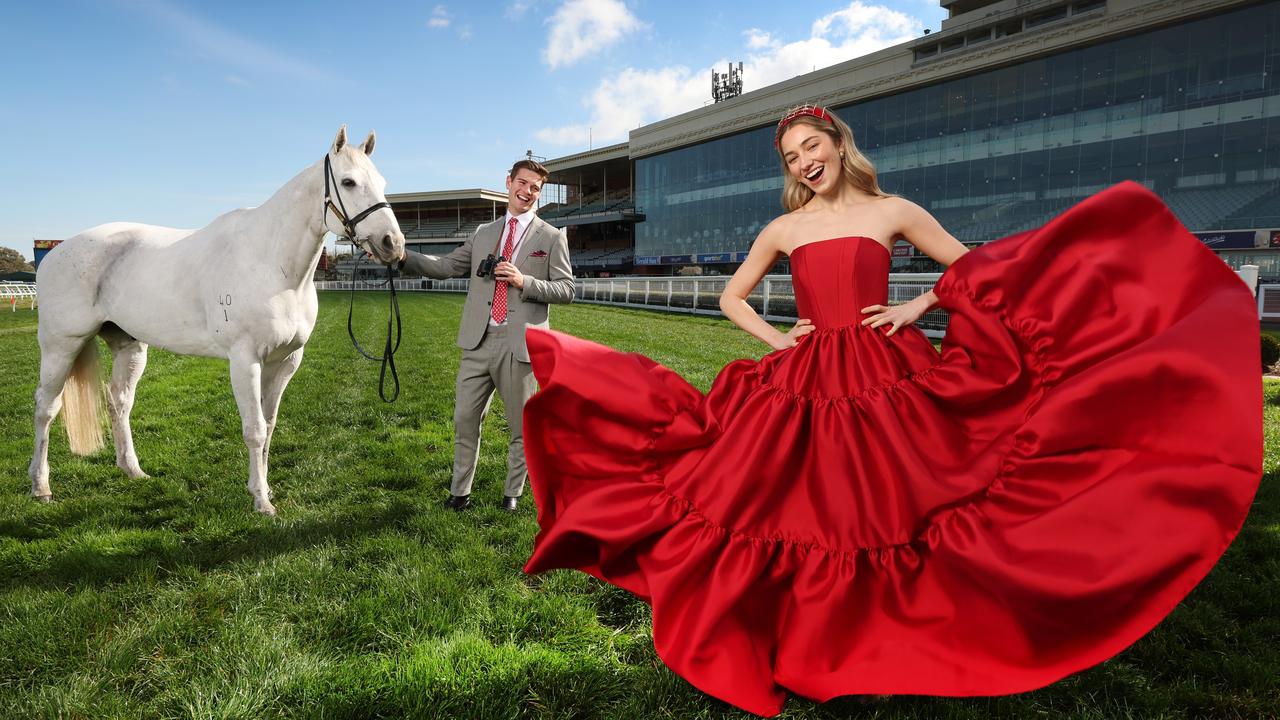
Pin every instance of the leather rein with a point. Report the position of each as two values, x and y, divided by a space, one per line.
393 316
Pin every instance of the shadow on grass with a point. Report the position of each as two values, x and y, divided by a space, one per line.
22 529
1259 539
166 552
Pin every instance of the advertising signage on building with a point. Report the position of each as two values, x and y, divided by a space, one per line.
715 258
647 260
1275 239
674 259
903 250
1235 239
42 248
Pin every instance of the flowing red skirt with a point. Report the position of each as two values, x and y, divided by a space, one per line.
861 515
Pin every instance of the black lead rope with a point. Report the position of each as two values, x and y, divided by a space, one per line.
388 358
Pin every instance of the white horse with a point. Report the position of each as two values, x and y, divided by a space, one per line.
239 289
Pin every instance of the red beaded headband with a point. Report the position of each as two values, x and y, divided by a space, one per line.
810 110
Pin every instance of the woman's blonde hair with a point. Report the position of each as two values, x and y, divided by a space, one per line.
855 168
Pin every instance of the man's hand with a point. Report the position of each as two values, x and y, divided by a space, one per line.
507 272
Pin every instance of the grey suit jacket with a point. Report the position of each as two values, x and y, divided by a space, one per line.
543 258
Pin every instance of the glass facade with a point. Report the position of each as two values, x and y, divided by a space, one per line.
1191 111
707 198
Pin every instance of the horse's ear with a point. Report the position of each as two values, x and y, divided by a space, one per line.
340 141
368 143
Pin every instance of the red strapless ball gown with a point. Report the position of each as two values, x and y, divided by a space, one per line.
859 514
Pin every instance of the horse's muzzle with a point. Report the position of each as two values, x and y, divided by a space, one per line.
387 250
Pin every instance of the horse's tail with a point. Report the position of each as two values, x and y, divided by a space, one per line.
82 402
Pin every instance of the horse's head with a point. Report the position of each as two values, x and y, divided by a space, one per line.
355 204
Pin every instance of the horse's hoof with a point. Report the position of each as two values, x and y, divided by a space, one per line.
42 498
133 471
266 509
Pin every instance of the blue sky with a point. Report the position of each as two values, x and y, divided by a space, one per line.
172 112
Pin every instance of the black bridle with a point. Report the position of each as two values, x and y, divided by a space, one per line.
340 210
393 318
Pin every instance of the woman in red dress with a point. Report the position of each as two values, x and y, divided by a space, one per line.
856 513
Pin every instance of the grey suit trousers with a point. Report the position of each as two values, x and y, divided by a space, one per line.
492 364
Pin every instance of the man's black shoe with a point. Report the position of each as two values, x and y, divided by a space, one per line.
509 503
458 502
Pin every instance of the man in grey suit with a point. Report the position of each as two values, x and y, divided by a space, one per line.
531 270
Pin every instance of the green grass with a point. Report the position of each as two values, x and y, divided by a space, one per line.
169 597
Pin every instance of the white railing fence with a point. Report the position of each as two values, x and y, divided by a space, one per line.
15 292
774 298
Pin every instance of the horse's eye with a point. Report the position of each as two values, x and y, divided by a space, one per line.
348 182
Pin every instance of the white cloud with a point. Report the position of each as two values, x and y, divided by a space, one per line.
639 96
214 42
857 30
757 38
516 10
629 100
582 27
439 17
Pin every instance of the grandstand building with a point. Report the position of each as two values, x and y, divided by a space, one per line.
437 222
433 223
597 209
1015 110
592 198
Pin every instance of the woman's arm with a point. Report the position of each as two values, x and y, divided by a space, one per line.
923 231
733 301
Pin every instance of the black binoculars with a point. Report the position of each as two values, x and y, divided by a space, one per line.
488 264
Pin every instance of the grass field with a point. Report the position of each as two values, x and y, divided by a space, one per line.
170 598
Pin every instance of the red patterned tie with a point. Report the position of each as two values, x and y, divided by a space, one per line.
500 288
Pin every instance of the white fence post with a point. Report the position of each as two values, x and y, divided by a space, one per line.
1249 274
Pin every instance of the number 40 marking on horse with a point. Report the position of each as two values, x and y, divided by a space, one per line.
225 302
